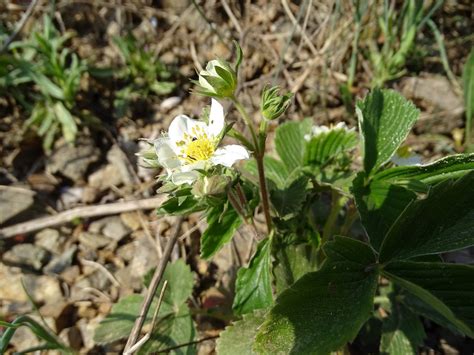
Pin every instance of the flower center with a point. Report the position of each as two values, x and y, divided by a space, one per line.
197 146
198 149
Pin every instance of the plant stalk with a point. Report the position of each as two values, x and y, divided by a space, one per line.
259 151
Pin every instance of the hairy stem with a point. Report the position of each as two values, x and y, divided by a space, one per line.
259 151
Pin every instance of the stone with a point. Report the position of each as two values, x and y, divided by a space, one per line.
27 255
118 158
13 201
436 95
60 262
126 252
10 284
131 220
112 227
43 289
70 197
49 239
145 256
87 328
93 240
23 339
71 274
72 161
105 177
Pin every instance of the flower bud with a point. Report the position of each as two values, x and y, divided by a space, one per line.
210 186
218 80
273 105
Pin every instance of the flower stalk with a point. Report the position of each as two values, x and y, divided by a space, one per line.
259 152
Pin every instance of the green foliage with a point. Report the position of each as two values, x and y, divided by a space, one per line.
402 332
324 309
385 119
425 228
142 73
45 77
51 341
292 262
237 339
409 212
174 326
254 284
221 227
398 27
468 87
290 143
448 288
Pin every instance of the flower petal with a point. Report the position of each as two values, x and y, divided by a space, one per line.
229 154
179 126
216 118
167 157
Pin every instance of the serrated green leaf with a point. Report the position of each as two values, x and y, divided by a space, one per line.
327 145
221 228
253 287
180 283
442 222
238 338
402 332
448 288
179 205
172 331
118 324
290 143
288 201
324 309
385 119
379 203
293 261
453 166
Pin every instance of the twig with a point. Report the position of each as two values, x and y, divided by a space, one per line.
232 17
147 336
137 327
80 212
29 11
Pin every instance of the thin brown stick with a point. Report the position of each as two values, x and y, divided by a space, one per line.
29 11
81 212
155 281
143 340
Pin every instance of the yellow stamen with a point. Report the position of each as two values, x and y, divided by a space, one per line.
197 148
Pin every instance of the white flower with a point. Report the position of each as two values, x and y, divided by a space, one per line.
317 130
191 145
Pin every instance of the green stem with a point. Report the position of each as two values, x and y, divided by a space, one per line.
248 122
336 205
259 152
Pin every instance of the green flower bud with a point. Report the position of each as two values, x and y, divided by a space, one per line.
209 186
273 105
218 80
